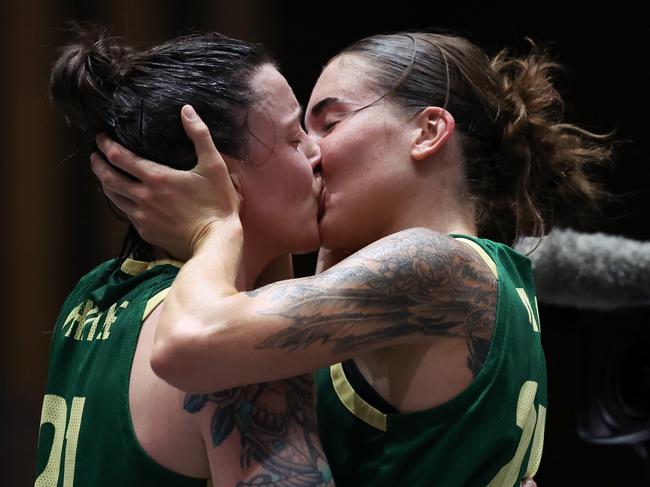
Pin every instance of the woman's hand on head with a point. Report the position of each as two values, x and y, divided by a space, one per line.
169 208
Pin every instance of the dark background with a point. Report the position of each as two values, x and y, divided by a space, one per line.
57 227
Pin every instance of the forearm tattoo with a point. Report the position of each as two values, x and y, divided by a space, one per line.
415 282
277 426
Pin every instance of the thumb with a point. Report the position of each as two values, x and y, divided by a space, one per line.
235 177
198 132
237 183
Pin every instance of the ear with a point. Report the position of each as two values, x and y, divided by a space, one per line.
434 126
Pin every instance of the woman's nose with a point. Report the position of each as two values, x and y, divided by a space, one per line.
312 151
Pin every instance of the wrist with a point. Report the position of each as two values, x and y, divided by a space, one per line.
229 230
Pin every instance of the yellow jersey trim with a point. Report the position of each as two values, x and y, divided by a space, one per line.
483 254
355 403
135 267
154 301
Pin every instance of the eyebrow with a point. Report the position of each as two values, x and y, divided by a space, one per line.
321 105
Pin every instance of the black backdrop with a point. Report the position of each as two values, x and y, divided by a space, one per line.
56 225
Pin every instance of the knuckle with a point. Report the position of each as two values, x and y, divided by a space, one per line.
156 177
142 195
105 178
113 153
202 130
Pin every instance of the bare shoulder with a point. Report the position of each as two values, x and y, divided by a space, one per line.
447 286
420 259
412 285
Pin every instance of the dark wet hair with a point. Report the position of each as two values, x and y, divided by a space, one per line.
101 84
525 167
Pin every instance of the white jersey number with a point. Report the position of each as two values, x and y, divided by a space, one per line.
55 413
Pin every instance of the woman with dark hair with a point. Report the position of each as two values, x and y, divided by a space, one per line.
122 425
435 159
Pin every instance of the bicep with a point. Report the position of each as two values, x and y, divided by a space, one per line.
405 288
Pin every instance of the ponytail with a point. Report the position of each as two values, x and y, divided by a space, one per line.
541 163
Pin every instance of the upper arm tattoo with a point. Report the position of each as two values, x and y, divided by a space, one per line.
416 282
277 427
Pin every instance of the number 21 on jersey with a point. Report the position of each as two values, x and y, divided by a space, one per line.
55 413
529 418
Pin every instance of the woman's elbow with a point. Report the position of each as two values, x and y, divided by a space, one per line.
171 358
183 359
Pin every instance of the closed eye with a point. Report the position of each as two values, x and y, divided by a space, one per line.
329 126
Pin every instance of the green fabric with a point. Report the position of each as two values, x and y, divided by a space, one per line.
86 397
468 440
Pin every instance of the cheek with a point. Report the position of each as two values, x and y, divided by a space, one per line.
368 144
337 152
296 173
348 153
276 185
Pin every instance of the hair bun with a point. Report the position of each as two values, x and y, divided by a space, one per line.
544 161
86 74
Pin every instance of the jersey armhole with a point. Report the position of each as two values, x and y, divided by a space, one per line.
135 450
154 301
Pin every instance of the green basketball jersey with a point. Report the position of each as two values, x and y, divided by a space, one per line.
489 435
86 436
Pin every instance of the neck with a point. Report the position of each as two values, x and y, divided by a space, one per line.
161 254
256 256
444 216
441 201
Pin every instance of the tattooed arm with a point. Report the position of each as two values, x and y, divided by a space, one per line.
262 434
409 287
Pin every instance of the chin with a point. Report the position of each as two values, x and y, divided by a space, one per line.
342 237
328 236
308 240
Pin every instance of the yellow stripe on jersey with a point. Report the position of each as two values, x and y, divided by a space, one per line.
526 419
538 444
353 402
154 301
482 253
134 267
